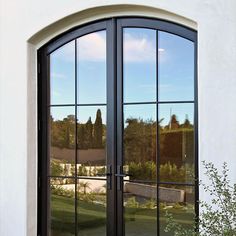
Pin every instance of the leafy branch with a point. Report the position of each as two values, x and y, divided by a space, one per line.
218 216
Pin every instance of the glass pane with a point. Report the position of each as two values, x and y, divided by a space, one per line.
62 207
91 207
176 68
179 201
91 140
62 75
140 204
176 123
62 141
139 55
140 164
92 68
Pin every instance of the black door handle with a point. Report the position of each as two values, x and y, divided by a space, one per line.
122 175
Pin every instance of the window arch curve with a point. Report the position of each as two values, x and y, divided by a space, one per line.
118 128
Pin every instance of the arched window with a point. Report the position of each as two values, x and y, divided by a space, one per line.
118 129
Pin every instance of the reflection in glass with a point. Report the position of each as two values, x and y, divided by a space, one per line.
91 207
62 141
175 68
176 141
179 202
140 204
139 55
62 75
91 68
91 137
62 207
140 163
139 134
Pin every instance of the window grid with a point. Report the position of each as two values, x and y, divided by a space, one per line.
157 102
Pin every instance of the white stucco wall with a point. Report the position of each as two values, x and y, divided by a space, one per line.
25 25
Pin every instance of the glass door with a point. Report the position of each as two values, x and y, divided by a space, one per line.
117 129
156 129
78 128
77 134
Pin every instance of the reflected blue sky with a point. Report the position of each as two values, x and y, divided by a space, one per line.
176 68
91 68
139 65
83 113
62 74
59 113
176 73
145 112
182 111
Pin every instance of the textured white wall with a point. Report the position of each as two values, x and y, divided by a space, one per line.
27 24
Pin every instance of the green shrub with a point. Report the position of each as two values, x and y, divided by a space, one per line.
88 197
82 171
132 203
60 191
168 172
218 217
150 204
56 169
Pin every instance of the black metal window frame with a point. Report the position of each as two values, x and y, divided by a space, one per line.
114 31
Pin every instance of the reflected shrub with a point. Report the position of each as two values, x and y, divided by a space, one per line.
168 172
144 171
82 171
132 203
88 197
89 170
60 191
150 204
100 170
56 169
171 173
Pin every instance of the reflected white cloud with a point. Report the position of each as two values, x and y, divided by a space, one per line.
161 49
139 49
92 47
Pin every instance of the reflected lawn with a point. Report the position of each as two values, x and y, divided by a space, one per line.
62 216
146 218
92 218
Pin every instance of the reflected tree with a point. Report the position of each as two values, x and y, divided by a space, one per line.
89 131
98 130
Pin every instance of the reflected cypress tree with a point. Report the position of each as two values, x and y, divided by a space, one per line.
98 128
174 123
89 131
68 127
81 136
187 123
